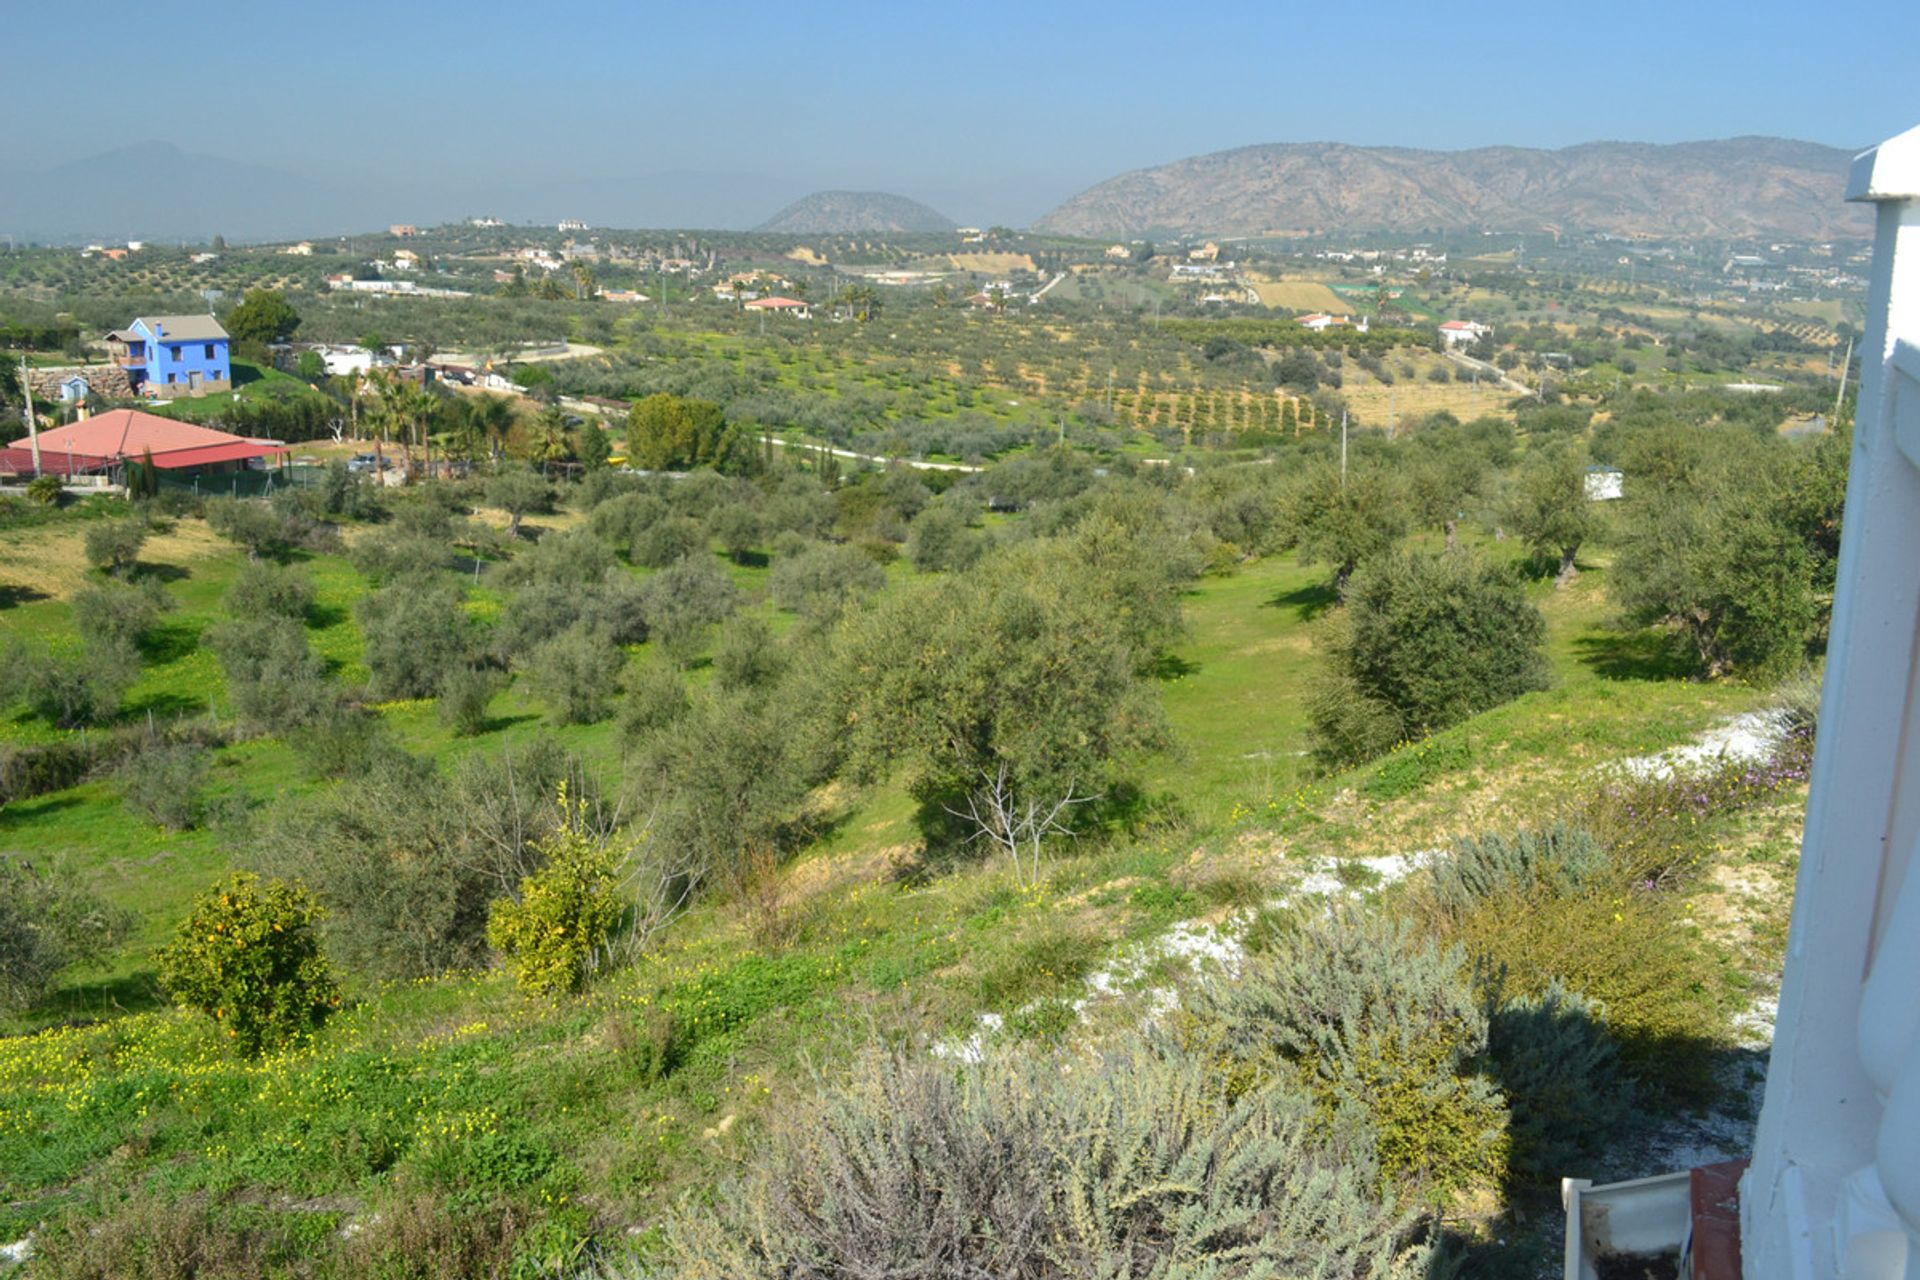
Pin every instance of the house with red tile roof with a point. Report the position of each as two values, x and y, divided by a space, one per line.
106 441
781 306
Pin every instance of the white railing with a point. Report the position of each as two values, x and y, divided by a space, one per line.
1834 1188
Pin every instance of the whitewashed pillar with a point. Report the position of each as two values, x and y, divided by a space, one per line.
1834 1188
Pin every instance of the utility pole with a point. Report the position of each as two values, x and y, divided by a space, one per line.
1839 395
1343 448
33 427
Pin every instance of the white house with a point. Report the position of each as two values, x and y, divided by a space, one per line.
1321 320
347 359
1463 333
570 224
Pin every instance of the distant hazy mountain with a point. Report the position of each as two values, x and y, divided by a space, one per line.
828 211
1736 187
156 191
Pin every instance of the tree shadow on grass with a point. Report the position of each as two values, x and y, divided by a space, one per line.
18 812
170 642
321 616
12 594
162 705
160 571
494 724
1171 666
1307 602
79 1003
1646 654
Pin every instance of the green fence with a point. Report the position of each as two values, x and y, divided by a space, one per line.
244 484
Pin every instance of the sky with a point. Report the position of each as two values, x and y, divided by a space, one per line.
990 110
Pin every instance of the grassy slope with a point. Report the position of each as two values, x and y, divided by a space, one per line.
462 1085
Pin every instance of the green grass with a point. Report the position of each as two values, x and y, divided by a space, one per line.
462 1086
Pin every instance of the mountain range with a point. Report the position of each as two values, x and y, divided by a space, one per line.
829 211
1738 187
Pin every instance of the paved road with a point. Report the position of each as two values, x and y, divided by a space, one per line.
874 457
1492 371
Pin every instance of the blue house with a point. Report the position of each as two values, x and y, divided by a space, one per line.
170 356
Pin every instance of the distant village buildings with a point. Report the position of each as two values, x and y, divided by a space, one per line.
403 230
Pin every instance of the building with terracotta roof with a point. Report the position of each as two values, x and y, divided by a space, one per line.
107 441
781 306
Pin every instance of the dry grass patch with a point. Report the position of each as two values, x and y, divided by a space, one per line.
996 264
52 560
1301 295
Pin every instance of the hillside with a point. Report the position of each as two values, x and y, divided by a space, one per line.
826 211
1737 187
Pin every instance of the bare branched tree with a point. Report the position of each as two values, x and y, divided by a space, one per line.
1015 822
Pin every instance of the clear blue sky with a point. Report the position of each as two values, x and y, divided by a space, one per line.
989 109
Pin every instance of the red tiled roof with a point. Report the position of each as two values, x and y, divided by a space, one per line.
17 460
776 302
213 453
129 433
1457 324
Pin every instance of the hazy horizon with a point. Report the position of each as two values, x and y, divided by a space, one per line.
991 114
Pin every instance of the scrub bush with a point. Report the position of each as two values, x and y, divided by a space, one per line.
248 955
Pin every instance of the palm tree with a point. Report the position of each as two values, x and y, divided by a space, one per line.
551 443
493 416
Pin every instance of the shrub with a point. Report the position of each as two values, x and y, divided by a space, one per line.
665 541
389 554
1558 1066
519 493
48 923
820 582
1432 638
684 600
274 679
264 589
256 526
1557 859
113 613
249 956
656 697
748 656
1657 826
1621 949
114 545
554 931
1133 1165
939 540
69 688
619 521
577 674
415 633
45 489
464 697
1379 1023
406 860
738 530
163 783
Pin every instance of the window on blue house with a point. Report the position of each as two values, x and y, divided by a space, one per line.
209 351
